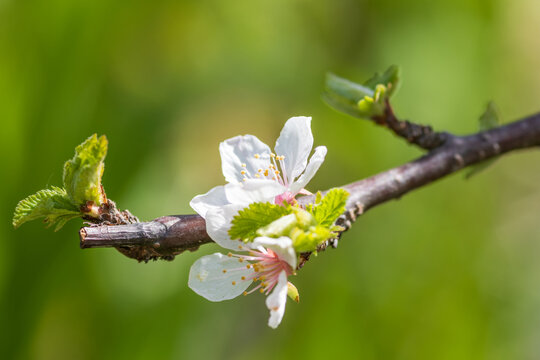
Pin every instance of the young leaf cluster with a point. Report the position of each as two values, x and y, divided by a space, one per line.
82 186
363 101
307 227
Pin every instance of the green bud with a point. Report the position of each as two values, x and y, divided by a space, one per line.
304 219
292 292
279 227
308 240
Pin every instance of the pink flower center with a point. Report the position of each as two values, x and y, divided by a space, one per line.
267 266
285 198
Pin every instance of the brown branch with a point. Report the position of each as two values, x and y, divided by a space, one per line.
170 235
420 135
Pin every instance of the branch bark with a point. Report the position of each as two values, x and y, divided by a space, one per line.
168 236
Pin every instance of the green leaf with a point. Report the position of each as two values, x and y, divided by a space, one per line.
488 120
390 79
362 101
52 204
308 239
330 207
82 174
254 217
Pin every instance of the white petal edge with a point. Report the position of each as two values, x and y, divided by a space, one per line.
276 301
315 163
213 199
295 142
282 246
218 223
250 191
213 276
241 150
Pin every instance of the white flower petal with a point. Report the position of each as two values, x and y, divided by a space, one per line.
295 143
242 150
214 198
314 164
218 223
276 301
282 246
250 191
213 277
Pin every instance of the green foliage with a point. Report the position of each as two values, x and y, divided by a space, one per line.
362 101
488 120
255 216
52 204
327 209
82 184
82 174
390 79
307 228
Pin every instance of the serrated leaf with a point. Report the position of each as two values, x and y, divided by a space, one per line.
488 120
331 206
254 217
82 174
52 204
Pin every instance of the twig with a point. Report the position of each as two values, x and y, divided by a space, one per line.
170 235
420 135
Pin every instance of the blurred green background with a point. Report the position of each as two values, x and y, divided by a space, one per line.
448 272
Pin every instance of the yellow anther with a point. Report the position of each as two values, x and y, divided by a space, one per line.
276 172
257 175
273 155
244 293
243 172
229 254
240 247
244 179
248 266
261 290
260 170
243 278
243 165
257 156
234 282
240 260
266 172
224 271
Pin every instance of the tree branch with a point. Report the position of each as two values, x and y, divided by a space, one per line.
168 236
415 134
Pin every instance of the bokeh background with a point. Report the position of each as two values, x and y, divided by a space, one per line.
450 271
